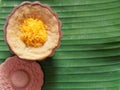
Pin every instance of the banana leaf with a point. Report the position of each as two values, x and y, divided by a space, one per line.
89 56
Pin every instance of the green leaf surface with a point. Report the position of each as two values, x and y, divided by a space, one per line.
89 56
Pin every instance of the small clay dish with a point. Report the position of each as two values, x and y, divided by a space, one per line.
19 74
33 31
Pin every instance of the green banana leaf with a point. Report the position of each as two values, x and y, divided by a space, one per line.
89 56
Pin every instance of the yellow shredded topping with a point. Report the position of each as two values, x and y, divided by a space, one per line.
33 32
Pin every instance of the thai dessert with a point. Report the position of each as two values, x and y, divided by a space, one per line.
33 31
